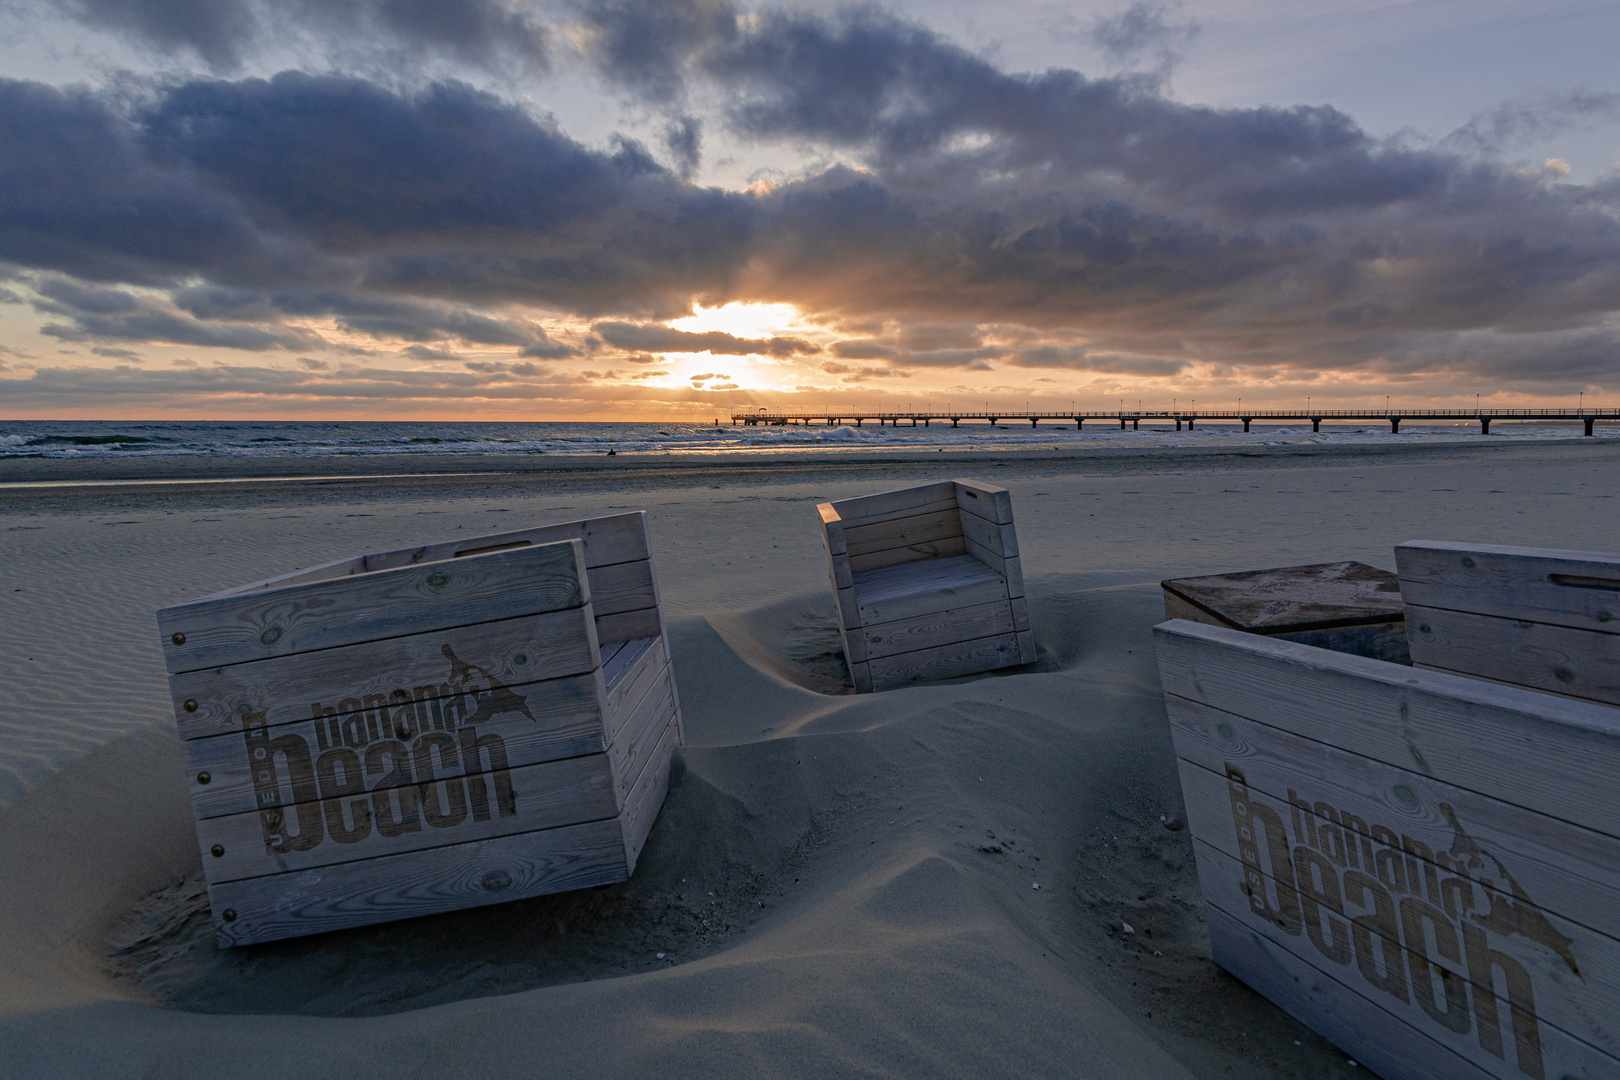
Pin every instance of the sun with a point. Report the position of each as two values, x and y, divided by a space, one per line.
751 322
742 320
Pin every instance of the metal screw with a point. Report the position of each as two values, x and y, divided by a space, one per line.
191 704
229 914
217 851
203 778
178 639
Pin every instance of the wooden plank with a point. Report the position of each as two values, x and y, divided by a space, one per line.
606 651
1177 607
832 529
945 661
1475 734
649 667
849 611
639 736
367 891
614 539
949 547
1564 870
840 571
624 657
937 628
629 625
647 797
961 595
999 539
1020 610
861 675
1378 641
854 645
290 689
1472 1019
369 607
541 796
902 532
535 722
1539 655
1579 589
1026 647
869 509
1368 1034
623 587
982 500
1289 599
1011 569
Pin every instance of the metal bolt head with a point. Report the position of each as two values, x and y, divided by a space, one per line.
229 914
191 704
217 851
178 639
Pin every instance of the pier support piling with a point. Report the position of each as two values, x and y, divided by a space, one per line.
1316 423
1394 425
1246 420
1588 423
1079 423
1485 425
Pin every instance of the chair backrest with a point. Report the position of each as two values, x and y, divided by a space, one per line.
618 564
934 521
1534 617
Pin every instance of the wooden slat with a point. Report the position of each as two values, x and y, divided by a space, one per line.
561 718
982 500
869 509
965 594
832 529
441 879
902 532
623 587
1579 589
607 650
1026 647
625 655
1539 655
1477 735
998 539
938 628
647 669
647 797
849 611
369 607
629 625
1567 871
860 673
1009 568
947 548
614 539
840 572
639 736
1386 1044
285 689
547 795
1554 1051
945 661
1020 610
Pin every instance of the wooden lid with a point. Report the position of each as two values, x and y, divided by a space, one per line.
1289 599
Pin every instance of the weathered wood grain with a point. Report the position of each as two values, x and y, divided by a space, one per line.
1020 610
623 587
849 609
1579 589
870 509
1475 734
1569 871
937 628
832 529
641 809
448 878
1387 1044
650 666
1010 569
639 736
1539 655
544 796
606 651
369 607
1289 599
897 556
629 625
902 532
945 661
528 649
1026 647
860 674
560 718
999 540
617 538
625 654
982 500
1554 1051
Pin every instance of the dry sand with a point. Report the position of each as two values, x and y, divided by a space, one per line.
840 885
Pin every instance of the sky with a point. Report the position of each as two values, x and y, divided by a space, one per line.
633 210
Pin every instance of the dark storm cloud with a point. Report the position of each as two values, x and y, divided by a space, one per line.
646 45
655 338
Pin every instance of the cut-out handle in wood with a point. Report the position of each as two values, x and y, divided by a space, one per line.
492 547
1577 581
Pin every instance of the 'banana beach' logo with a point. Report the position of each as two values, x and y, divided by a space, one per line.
387 764
1426 918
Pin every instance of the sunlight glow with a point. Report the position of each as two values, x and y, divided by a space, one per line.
742 320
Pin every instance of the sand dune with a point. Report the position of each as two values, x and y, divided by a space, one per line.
840 885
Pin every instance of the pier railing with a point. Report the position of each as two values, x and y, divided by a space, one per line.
1190 417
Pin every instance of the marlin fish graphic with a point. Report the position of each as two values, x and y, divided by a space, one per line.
1511 912
491 702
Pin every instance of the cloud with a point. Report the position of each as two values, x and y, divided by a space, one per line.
1522 122
117 354
862 349
655 338
1143 28
1080 358
422 352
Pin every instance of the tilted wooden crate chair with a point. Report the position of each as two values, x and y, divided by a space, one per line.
928 582
1423 866
420 730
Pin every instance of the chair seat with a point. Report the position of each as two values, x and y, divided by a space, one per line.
914 579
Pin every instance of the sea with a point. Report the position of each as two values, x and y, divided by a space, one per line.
290 439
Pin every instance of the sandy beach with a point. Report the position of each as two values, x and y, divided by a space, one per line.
925 882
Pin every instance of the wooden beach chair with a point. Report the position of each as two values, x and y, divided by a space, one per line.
928 583
425 729
1421 862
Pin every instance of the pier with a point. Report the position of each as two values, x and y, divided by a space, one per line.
1190 417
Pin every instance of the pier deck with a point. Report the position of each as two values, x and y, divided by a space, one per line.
1393 417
